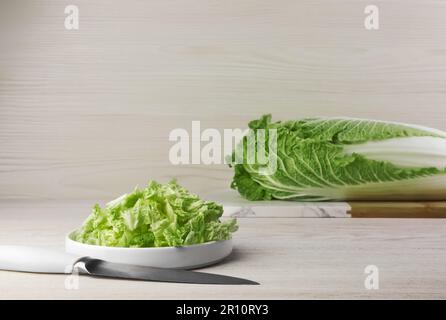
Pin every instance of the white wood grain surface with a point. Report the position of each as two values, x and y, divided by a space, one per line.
86 114
291 258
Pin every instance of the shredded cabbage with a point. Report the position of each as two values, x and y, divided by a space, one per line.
156 216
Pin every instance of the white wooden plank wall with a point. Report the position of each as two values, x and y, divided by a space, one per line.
86 114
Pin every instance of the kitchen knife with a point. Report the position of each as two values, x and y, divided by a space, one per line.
31 259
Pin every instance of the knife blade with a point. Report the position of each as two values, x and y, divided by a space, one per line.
101 268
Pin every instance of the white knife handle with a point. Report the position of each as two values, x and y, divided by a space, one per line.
32 259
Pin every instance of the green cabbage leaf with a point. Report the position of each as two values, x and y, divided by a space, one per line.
156 216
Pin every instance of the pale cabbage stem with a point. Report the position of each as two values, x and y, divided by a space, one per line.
414 152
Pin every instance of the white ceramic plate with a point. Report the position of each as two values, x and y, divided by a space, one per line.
187 257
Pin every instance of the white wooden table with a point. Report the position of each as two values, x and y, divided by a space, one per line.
292 258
